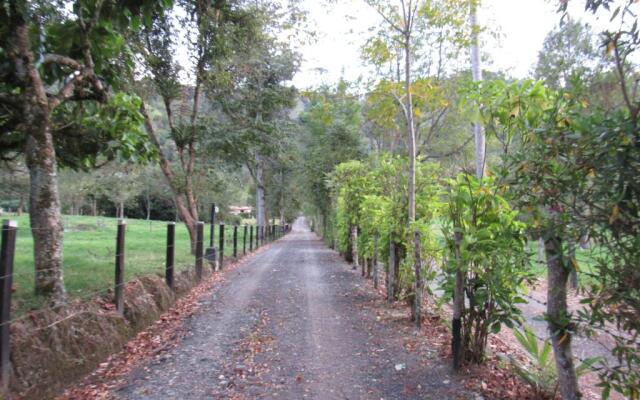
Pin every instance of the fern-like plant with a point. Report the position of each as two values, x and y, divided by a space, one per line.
540 370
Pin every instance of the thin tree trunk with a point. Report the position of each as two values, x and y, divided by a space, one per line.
282 198
182 209
20 205
399 249
376 273
148 204
476 72
94 207
558 319
584 242
458 308
573 272
410 127
541 255
121 210
354 246
261 212
417 300
391 273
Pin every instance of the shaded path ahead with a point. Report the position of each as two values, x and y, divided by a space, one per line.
295 322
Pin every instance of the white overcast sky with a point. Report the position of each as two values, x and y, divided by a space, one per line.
342 29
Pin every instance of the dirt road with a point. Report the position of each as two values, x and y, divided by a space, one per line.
295 322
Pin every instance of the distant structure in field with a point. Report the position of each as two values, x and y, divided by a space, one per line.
240 210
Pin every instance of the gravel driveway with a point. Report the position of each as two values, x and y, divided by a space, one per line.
295 322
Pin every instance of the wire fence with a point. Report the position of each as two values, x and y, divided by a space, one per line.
95 253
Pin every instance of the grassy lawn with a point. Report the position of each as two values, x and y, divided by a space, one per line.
89 254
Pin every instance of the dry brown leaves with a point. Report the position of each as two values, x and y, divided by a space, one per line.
162 335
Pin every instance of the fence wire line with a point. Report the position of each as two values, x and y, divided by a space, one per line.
87 295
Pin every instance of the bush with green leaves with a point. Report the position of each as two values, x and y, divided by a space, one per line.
371 195
485 240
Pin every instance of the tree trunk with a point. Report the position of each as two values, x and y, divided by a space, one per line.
147 200
476 72
541 255
261 203
121 210
417 300
376 273
399 249
458 308
44 210
94 207
179 198
558 319
584 242
391 272
20 205
410 127
282 222
44 200
573 272
354 246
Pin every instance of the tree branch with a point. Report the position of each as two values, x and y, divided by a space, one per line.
62 60
454 151
387 19
67 91
633 110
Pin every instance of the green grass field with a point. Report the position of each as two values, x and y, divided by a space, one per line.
89 254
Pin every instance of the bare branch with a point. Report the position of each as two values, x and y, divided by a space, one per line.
387 19
62 60
67 91
620 60
454 151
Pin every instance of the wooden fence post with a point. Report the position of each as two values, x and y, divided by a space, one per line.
250 238
7 253
244 241
221 245
119 284
199 249
212 231
171 246
235 241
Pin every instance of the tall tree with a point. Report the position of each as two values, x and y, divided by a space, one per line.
257 101
400 19
50 63
568 52
331 135
208 27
